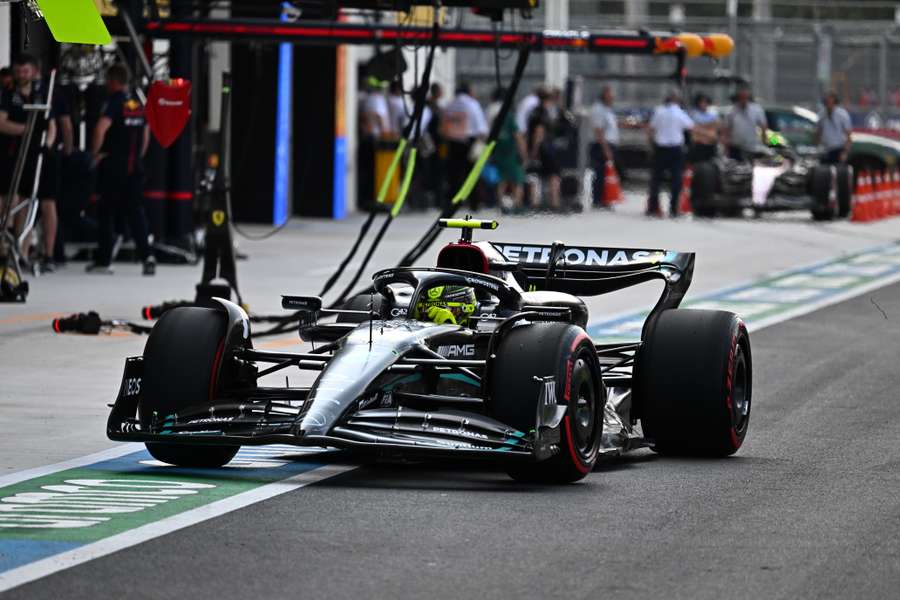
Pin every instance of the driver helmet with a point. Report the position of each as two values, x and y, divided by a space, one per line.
452 304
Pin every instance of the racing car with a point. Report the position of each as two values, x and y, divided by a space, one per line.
484 356
779 178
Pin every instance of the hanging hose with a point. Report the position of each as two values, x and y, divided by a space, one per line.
407 179
462 195
414 127
389 174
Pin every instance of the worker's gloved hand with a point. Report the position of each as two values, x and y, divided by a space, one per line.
441 316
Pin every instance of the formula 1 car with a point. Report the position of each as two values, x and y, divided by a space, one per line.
777 179
508 375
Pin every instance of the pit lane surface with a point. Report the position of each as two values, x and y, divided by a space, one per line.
809 508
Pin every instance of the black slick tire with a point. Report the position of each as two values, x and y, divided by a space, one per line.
566 352
703 189
844 190
182 359
820 190
693 383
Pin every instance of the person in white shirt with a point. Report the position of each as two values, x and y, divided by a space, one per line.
375 120
374 125
745 127
833 130
398 111
606 140
527 105
462 123
705 135
667 128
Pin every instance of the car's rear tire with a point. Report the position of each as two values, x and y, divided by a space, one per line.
566 352
693 383
844 189
820 183
182 359
703 189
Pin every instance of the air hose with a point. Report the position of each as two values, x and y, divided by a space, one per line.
412 132
468 185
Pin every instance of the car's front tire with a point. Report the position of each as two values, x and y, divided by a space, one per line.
693 382
565 352
182 360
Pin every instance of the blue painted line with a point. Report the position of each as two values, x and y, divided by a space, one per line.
15 553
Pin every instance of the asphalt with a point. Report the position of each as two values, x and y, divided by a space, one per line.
809 508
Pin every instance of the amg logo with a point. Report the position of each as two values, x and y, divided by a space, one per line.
457 351
587 257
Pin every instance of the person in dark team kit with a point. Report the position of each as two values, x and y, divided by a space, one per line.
120 141
13 119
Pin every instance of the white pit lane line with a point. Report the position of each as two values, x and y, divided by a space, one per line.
70 558
65 560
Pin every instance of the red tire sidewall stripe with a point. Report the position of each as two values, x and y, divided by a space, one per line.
215 370
576 459
567 394
729 385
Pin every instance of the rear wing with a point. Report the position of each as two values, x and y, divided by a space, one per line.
591 271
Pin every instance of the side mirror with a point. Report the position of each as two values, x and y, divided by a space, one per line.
307 307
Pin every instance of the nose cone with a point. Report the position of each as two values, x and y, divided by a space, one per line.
356 365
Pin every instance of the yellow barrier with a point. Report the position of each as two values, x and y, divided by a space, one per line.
384 156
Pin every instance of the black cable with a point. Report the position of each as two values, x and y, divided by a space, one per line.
365 263
359 238
414 129
434 231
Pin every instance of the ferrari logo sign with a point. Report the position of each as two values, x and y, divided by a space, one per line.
218 217
168 109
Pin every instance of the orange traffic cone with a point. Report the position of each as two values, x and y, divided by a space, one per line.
684 199
895 195
867 199
880 195
612 188
889 190
858 212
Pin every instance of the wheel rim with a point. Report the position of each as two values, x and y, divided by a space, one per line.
740 393
584 413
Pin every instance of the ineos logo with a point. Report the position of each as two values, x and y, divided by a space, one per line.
132 386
